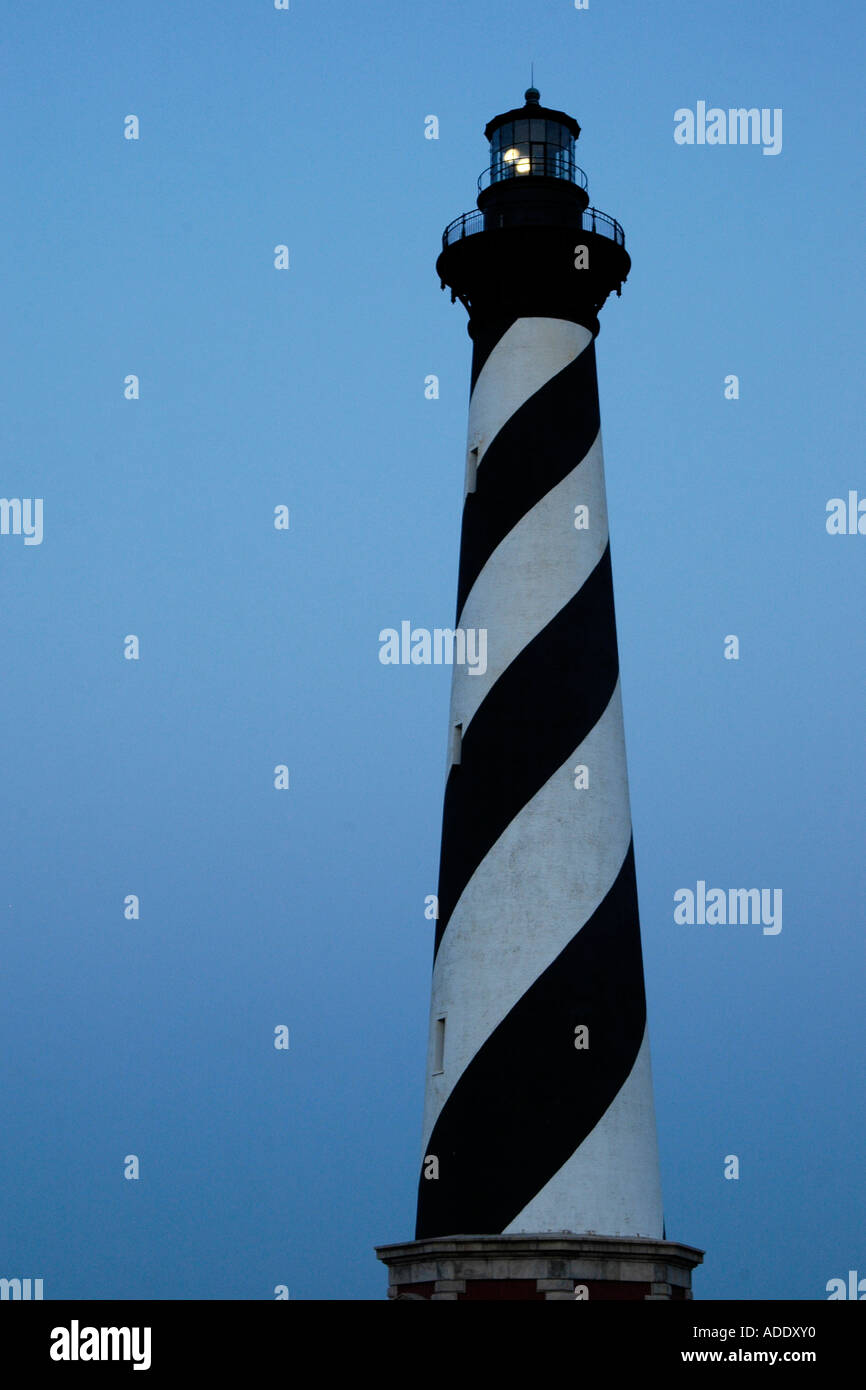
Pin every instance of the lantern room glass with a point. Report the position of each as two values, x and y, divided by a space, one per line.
532 146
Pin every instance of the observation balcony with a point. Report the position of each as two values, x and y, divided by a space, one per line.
555 214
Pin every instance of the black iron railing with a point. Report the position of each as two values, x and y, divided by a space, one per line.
555 163
591 221
465 225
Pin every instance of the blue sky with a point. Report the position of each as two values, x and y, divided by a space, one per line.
259 647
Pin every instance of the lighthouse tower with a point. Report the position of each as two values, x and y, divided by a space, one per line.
539 1175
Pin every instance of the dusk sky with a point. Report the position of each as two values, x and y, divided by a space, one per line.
258 647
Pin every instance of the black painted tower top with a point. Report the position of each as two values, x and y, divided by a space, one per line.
533 246
533 110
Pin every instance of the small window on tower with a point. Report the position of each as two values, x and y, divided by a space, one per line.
472 469
439 1047
456 744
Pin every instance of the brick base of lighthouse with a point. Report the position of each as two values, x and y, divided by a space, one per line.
536 1268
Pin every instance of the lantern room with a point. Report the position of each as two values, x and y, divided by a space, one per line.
531 142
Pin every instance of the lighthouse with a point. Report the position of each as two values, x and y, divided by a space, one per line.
539 1172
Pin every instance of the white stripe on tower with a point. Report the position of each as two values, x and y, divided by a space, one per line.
538 932
527 355
525 901
518 593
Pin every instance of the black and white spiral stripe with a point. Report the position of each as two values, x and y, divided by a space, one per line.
538 922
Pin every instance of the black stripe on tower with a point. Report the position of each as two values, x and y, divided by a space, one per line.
535 449
531 720
529 1098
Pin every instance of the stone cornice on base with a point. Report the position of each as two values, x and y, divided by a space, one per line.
547 1265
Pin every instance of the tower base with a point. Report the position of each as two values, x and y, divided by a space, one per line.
534 1268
